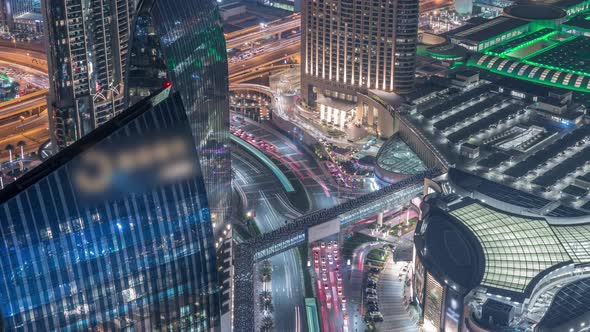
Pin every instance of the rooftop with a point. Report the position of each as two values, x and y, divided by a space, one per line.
515 250
396 156
581 21
489 29
535 12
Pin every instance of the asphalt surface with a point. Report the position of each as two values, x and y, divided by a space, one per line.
390 290
263 194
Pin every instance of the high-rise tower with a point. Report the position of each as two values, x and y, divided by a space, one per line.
87 52
87 244
353 46
177 41
182 42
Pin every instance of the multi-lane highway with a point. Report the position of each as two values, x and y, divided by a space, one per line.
249 35
263 193
28 67
271 54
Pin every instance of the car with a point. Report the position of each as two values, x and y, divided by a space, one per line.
326 286
371 291
323 245
376 316
372 279
372 297
372 302
324 277
339 285
373 307
340 292
372 284
339 276
343 306
343 299
375 270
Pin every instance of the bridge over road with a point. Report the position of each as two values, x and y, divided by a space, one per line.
297 232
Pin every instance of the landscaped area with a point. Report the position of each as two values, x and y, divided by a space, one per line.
353 242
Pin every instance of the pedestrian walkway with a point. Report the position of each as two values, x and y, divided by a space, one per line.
390 291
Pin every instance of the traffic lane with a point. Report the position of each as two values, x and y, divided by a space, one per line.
288 291
33 134
326 271
312 177
265 196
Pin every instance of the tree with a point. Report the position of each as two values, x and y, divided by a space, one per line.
267 324
9 148
265 299
266 271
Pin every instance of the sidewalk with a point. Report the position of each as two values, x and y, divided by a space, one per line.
390 291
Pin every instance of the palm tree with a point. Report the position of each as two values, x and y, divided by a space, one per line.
9 148
267 324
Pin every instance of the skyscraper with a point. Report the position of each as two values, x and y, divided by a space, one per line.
87 52
182 42
86 243
173 41
352 46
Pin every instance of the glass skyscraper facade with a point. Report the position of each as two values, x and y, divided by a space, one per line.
86 243
182 42
86 55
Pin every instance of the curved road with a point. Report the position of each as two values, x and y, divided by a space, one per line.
264 194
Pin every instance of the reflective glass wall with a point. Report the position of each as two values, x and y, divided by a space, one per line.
182 42
86 243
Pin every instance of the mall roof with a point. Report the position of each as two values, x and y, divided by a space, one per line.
489 29
564 78
471 184
535 12
515 250
581 21
396 156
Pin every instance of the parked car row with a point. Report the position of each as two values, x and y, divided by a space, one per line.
371 298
